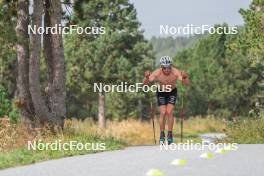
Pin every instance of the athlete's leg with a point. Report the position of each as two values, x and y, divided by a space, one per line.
170 108
169 112
162 107
162 123
162 117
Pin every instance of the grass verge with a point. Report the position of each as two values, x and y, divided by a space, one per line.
248 131
14 138
136 132
23 156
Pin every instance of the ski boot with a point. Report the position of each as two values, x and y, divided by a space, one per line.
162 138
169 137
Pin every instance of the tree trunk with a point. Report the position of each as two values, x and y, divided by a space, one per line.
47 47
25 104
101 110
140 110
41 109
54 56
31 102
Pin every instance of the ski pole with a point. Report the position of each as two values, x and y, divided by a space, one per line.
182 118
182 111
153 123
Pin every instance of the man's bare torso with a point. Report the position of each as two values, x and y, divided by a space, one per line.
163 79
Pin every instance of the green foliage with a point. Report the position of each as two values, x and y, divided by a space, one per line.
7 46
13 115
221 81
5 104
251 44
6 107
225 71
119 55
253 38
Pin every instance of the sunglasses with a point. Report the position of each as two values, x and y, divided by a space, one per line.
166 68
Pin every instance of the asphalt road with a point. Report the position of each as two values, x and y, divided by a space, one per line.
248 160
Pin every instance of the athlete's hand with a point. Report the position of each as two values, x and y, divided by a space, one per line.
147 74
184 75
185 81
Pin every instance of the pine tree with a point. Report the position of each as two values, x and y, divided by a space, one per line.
121 54
251 43
7 52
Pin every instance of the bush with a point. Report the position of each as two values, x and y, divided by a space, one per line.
13 115
6 106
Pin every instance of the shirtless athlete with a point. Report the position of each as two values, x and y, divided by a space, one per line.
166 75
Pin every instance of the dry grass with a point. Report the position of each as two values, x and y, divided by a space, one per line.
13 136
119 130
14 139
135 132
201 124
248 131
131 131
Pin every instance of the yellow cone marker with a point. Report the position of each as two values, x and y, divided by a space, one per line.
207 155
178 162
229 147
221 150
154 172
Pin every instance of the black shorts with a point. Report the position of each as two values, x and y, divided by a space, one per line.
165 98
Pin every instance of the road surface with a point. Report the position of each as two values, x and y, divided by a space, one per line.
248 160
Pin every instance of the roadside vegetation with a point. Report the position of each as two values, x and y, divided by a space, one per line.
246 131
14 137
14 143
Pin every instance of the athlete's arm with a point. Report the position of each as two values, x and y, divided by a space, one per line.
182 76
150 77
